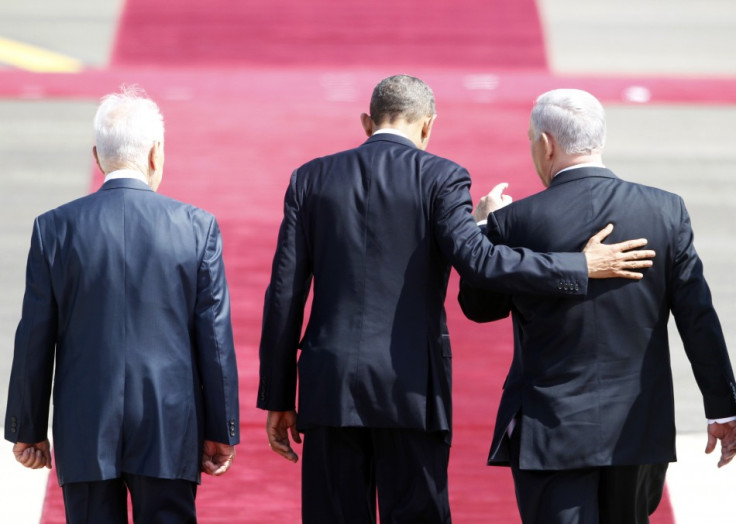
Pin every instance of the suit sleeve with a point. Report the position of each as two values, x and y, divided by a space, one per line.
699 327
214 341
483 305
496 267
27 414
283 310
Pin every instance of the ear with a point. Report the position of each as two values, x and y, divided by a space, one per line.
367 123
427 127
548 142
426 131
153 156
97 158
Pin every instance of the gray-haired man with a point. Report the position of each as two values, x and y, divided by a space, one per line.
127 306
586 420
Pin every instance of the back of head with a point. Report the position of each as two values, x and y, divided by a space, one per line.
127 125
575 119
401 97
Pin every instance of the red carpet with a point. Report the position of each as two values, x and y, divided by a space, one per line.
238 123
338 33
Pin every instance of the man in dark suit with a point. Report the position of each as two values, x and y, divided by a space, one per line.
127 308
378 228
586 419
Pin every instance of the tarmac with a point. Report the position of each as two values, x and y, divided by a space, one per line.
45 151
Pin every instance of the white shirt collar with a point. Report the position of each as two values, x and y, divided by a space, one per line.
126 173
577 166
390 131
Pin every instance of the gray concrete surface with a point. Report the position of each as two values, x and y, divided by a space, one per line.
81 29
642 37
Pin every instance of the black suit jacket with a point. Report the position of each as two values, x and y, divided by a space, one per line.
126 288
378 228
590 378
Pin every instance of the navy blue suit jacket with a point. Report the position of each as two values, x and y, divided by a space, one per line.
126 290
590 378
378 228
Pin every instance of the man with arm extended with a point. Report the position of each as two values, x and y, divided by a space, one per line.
377 229
586 420
127 309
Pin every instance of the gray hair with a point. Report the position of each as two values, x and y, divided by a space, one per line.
401 96
127 125
575 119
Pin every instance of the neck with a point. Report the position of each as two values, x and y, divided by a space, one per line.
148 177
565 161
406 130
413 130
110 167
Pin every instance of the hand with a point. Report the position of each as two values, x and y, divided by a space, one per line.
278 426
726 433
217 457
33 456
493 201
614 260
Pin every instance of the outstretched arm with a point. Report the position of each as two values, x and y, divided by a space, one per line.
503 269
604 261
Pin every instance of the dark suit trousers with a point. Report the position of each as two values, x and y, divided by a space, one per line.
596 495
344 468
155 501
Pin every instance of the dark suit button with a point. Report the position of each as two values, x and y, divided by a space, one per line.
232 432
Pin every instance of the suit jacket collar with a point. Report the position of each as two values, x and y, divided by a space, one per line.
390 137
580 173
125 183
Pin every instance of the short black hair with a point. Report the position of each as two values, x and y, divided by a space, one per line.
401 96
